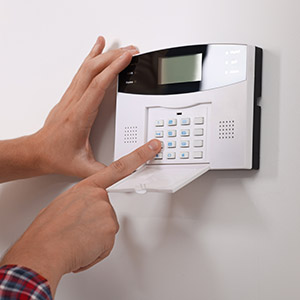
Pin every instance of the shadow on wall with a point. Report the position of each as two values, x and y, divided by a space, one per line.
218 200
103 131
270 121
185 237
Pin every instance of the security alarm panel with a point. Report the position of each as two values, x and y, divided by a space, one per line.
201 102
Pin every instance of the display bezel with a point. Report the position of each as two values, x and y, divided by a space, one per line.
222 65
141 76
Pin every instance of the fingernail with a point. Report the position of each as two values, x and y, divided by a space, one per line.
98 40
133 51
154 145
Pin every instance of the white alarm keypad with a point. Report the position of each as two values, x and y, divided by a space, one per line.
182 132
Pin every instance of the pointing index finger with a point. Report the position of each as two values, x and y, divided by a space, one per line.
126 165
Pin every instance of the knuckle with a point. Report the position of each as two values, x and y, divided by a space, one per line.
88 65
117 52
105 207
101 193
111 224
119 166
117 226
96 84
112 227
107 252
112 70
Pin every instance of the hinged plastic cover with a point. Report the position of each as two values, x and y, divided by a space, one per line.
160 178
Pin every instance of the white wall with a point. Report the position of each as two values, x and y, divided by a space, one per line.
228 235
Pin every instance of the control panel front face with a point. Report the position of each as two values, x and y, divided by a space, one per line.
186 69
183 133
200 101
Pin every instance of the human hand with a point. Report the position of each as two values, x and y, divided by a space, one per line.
63 143
77 230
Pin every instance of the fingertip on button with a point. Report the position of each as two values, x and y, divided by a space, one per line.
154 145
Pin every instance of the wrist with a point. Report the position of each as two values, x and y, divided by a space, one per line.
34 155
42 163
37 258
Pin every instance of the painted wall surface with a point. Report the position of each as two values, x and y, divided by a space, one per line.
229 235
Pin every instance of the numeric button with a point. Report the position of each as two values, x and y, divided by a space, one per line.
184 144
159 123
184 155
159 134
198 131
171 155
171 133
199 121
158 156
185 121
198 143
171 144
198 154
172 122
185 132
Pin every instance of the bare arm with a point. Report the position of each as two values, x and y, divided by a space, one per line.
62 145
19 159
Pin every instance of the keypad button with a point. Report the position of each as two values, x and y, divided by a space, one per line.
159 134
198 131
172 122
171 144
182 138
184 155
184 144
171 155
198 154
199 121
185 132
158 156
198 143
185 121
159 123
171 133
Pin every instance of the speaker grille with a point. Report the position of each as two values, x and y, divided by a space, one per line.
130 134
226 129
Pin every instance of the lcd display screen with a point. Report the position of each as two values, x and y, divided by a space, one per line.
179 69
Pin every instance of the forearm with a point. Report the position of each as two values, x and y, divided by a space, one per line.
19 158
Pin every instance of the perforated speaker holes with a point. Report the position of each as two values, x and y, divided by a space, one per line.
226 129
130 134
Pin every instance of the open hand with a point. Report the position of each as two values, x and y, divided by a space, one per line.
63 142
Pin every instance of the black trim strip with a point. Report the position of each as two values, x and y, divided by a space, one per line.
257 108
